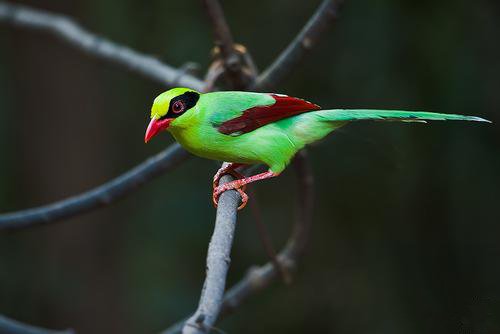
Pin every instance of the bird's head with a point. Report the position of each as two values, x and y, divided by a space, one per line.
169 106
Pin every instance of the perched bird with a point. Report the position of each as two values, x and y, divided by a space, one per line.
253 128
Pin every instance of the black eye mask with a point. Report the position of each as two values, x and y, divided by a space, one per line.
188 100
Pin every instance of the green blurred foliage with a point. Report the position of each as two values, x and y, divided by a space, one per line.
406 228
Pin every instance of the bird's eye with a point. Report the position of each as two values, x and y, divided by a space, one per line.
178 107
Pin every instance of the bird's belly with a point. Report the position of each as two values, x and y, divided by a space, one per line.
221 154
216 147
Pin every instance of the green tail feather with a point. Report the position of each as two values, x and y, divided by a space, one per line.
394 115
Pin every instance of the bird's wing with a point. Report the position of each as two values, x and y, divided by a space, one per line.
250 119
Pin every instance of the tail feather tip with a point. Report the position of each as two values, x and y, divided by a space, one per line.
479 119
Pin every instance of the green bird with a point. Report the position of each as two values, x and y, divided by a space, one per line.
257 128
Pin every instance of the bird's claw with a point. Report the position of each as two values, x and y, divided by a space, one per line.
219 189
223 171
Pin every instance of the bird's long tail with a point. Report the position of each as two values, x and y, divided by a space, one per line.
392 115
312 126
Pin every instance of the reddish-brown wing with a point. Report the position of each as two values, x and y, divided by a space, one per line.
253 118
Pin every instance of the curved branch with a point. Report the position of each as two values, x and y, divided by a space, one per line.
69 31
10 326
297 49
103 195
259 278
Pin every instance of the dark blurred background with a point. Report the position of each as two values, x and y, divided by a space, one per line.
406 226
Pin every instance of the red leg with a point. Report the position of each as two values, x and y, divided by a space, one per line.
237 184
225 170
236 175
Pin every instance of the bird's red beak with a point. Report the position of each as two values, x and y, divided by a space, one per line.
155 126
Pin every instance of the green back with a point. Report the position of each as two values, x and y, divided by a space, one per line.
224 106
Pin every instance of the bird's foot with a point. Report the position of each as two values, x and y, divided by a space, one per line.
227 169
239 184
240 188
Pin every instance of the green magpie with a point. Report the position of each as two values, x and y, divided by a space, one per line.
245 128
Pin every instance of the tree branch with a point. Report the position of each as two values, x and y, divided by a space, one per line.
69 31
10 326
225 49
218 261
324 16
259 278
102 195
222 34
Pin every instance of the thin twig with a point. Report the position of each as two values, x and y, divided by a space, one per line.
218 261
102 195
70 32
225 47
259 278
298 48
10 326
